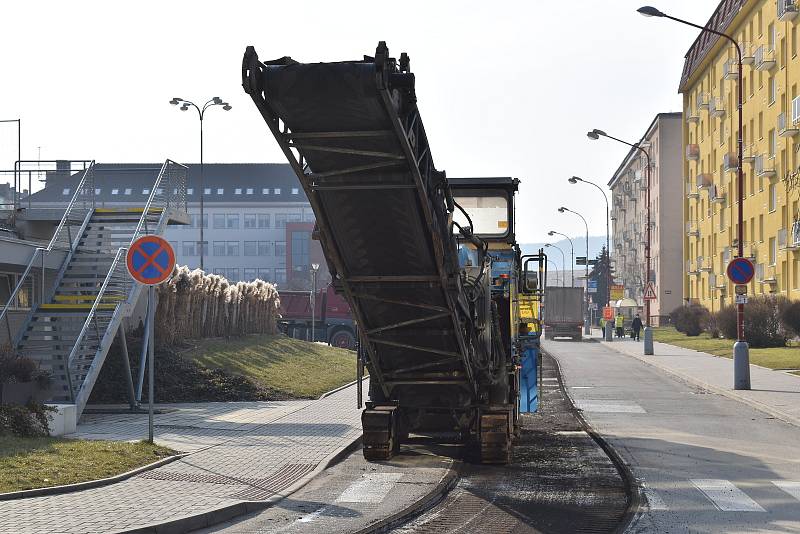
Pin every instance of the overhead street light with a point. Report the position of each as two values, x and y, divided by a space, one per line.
563 262
185 105
741 350
587 328
551 233
575 180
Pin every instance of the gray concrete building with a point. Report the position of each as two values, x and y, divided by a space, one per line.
662 140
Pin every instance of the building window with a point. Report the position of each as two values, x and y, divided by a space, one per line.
772 145
145 191
207 191
97 191
300 253
249 190
295 191
237 191
265 191
189 191
263 220
280 249
251 248
263 248
232 248
220 191
219 220
232 274
250 274
308 216
280 220
265 273
773 197
189 248
128 191
66 191
232 220
280 276
219 248
159 191
115 191
277 191
771 90
293 218
249 220
773 250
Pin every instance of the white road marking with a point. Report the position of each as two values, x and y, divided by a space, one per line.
572 433
726 496
609 406
790 487
549 379
654 500
372 488
312 516
582 387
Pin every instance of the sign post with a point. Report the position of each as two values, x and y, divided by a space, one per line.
740 271
150 261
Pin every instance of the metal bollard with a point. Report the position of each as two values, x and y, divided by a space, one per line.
648 341
741 367
609 333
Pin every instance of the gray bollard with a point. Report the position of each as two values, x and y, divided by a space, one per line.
648 341
609 333
741 365
587 327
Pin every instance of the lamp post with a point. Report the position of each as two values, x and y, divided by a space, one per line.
551 233
201 112
587 328
563 264
741 350
314 269
575 180
17 174
648 334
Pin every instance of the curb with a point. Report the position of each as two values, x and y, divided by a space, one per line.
340 388
89 484
757 405
431 499
231 511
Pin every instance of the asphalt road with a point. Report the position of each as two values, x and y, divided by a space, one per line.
708 463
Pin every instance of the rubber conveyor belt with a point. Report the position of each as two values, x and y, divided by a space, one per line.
353 134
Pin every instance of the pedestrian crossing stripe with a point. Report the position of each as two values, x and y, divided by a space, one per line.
726 496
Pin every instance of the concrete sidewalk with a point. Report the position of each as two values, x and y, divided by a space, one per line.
244 456
776 393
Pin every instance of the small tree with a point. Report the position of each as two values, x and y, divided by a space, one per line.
762 321
691 319
790 317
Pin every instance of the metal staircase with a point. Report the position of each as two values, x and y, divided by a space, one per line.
70 329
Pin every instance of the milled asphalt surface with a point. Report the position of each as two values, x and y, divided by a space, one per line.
708 463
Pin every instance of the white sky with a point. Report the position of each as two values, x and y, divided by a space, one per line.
505 88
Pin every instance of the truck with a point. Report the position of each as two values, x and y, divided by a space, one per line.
429 265
564 315
333 322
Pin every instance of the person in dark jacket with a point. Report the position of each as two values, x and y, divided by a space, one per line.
637 326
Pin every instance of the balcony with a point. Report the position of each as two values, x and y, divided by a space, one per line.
789 239
796 110
692 152
691 116
748 56
690 270
691 230
691 191
765 58
716 108
730 70
770 277
730 162
785 128
726 256
787 9
718 195
704 180
765 166
702 100
749 153
704 265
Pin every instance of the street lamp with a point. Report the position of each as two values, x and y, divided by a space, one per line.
563 265
314 269
17 174
587 328
648 334
741 350
185 105
551 233
575 180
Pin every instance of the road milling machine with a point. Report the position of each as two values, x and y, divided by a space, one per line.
448 309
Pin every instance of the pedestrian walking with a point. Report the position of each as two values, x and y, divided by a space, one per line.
619 323
637 326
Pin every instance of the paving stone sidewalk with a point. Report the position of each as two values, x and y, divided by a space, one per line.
774 392
241 452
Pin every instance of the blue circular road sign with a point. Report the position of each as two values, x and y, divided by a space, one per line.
741 271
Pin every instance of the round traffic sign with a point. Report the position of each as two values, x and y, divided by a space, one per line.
150 260
740 270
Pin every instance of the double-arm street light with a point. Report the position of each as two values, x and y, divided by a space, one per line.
201 111
551 233
587 328
575 180
741 351
17 172
597 134
563 262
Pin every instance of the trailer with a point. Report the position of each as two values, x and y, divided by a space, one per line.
564 317
333 322
429 266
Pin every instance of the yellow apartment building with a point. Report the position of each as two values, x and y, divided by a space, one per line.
767 31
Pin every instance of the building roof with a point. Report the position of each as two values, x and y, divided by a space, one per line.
227 182
626 160
720 20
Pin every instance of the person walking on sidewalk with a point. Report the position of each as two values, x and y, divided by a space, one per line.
619 324
637 326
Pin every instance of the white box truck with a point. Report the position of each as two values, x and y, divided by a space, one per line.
563 312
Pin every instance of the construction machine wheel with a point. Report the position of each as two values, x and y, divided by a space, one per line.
344 339
381 438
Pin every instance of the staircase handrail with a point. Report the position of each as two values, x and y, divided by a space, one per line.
167 198
40 252
92 313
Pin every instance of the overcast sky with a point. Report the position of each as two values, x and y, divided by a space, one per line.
505 88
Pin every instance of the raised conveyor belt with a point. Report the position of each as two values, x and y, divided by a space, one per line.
353 133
